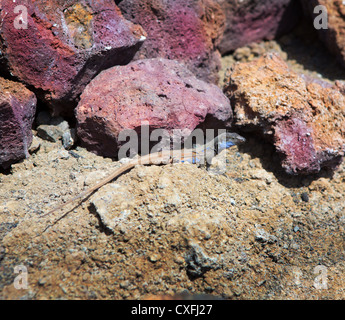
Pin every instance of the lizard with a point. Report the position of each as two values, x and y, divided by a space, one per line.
202 154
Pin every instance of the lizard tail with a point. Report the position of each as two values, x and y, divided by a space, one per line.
117 173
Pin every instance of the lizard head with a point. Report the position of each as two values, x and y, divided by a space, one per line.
229 139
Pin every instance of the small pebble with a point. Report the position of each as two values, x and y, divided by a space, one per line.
124 284
305 197
42 282
68 139
154 258
35 145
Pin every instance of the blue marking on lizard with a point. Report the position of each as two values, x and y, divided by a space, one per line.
216 148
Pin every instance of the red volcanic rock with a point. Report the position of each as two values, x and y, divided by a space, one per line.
65 44
248 21
334 35
158 91
294 141
17 110
305 121
183 30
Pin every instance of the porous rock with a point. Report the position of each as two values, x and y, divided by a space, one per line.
17 110
305 121
187 31
248 21
162 93
57 47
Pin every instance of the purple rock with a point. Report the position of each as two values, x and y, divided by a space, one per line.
256 20
160 92
183 30
309 79
17 110
65 45
294 142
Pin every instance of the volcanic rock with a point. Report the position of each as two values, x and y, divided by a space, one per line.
187 31
17 110
57 47
248 21
162 93
305 121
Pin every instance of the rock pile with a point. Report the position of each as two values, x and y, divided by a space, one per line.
160 63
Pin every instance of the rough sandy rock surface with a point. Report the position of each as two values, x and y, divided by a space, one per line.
302 51
159 92
184 30
304 121
251 232
64 45
17 112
